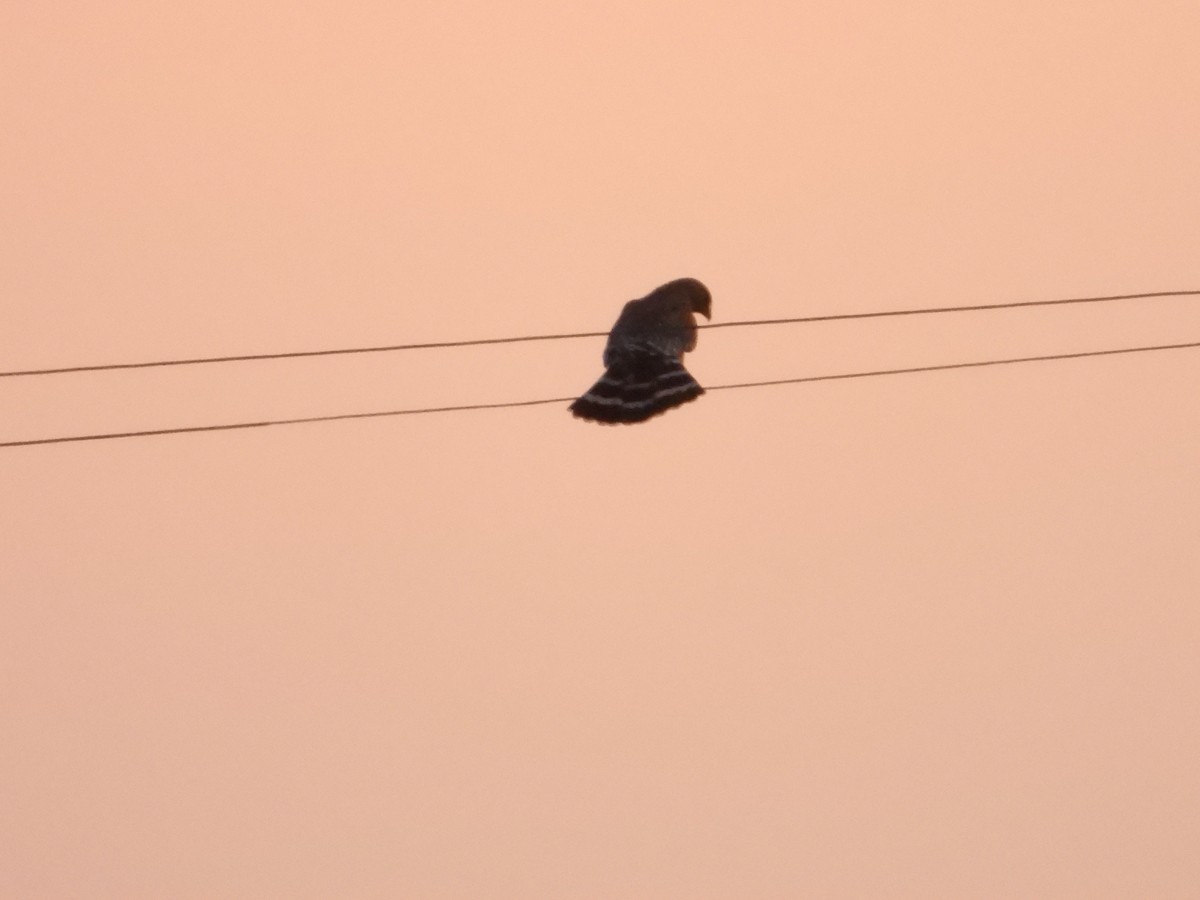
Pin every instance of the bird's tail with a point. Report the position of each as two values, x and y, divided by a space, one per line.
634 393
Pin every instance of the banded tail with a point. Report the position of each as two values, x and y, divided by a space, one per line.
633 391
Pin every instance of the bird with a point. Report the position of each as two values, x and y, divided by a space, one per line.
643 359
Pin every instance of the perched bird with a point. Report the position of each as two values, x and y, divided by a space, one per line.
644 356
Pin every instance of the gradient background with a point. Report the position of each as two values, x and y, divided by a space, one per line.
919 636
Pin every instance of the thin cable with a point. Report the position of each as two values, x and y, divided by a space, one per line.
248 357
926 310
947 366
509 405
297 354
306 420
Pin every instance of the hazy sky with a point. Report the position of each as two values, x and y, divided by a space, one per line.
919 636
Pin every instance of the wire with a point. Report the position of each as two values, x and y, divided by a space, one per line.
192 429
949 309
200 360
947 366
475 406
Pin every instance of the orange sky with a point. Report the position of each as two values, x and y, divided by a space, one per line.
921 636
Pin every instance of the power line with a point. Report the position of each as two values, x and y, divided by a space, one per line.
921 311
297 354
193 429
947 366
512 404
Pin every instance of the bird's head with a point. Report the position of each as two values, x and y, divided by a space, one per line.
697 294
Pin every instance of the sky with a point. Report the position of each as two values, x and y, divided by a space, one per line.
911 636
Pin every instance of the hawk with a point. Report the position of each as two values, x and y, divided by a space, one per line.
644 356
